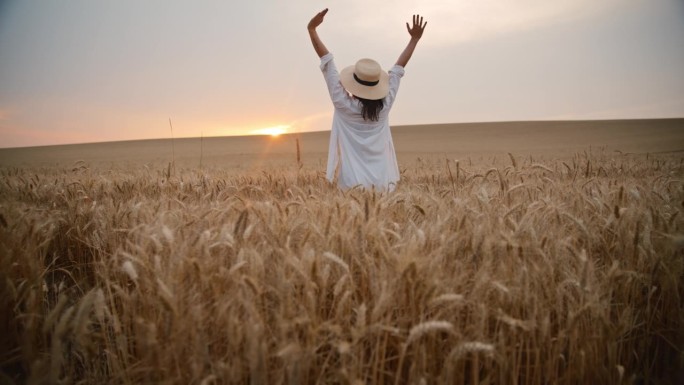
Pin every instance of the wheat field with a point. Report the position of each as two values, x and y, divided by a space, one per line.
506 270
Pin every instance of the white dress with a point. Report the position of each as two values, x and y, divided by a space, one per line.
360 152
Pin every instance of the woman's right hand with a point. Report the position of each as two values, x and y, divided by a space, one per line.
416 31
317 20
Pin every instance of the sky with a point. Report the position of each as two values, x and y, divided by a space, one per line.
75 71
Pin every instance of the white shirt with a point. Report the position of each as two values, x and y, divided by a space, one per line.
361 151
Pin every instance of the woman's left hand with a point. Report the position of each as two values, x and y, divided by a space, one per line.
317 20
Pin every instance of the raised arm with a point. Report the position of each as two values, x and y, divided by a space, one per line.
416 33
315 40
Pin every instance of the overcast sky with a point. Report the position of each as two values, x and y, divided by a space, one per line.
76 71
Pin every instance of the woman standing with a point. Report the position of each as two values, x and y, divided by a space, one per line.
361 151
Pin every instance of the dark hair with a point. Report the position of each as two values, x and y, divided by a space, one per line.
370 109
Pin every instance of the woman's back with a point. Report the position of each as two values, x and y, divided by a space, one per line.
361 150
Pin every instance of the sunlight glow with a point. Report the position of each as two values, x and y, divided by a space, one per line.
273 131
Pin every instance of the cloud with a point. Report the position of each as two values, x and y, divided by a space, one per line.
663 109
5 114
19 136
452 21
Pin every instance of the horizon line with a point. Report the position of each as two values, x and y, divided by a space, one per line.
319 131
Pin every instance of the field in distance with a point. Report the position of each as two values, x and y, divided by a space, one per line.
559 139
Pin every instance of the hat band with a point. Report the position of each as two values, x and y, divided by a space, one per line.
365 83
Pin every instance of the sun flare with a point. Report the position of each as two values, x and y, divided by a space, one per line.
273 131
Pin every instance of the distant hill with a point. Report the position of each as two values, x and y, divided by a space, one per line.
459 140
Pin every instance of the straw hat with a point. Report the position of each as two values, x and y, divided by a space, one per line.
365 80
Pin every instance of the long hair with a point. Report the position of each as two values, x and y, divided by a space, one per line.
370 109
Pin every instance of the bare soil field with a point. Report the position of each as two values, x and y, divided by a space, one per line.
510 253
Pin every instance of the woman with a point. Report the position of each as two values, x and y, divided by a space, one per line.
361 150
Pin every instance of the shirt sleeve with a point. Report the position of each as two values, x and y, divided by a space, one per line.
395 75
332 79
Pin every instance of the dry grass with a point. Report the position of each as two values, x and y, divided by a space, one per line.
523 272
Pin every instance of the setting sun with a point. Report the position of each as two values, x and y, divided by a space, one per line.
273 131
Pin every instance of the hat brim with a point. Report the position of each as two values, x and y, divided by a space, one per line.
357 89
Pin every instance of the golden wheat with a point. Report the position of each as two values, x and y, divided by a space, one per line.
525 272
